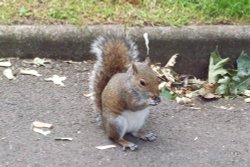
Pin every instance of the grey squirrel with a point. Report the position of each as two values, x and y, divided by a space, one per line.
122 88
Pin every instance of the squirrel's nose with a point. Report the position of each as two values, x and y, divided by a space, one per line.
157 99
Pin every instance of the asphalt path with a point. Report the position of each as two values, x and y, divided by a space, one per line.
217 135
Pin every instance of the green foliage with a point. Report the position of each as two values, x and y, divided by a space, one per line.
149 12
216 66
226 8
241 81
23 11
223 88
230 81
166 93
243 65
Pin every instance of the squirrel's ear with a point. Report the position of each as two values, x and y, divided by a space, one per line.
147 61
134 68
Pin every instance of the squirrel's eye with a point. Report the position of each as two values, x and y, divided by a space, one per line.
142 82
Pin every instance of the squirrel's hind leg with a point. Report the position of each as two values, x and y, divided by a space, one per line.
116 128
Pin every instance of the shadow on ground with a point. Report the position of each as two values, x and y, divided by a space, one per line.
216 135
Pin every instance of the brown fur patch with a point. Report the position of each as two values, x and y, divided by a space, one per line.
116 60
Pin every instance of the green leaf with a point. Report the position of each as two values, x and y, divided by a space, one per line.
216 64
241 81
243 65
223 88
239 84
166 93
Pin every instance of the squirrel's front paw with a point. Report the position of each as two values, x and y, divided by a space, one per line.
154 101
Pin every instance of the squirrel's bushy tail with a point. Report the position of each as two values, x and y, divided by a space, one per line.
113 54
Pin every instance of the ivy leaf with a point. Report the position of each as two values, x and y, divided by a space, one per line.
216 69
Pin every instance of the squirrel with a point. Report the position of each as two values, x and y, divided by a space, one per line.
122 88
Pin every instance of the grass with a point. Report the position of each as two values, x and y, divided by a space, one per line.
147 12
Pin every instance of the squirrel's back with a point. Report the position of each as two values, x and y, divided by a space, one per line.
114 54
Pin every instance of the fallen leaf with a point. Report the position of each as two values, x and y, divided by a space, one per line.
30 72
208 91
56 79
105 147
247 100
157 70
171 62
247 93
64 138
40 62
87 94
5 63
39 124
168 74
189 95
224 107
195 108
183 100
196 81
41 131
162 85
8 73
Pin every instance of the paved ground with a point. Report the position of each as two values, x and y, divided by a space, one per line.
216 135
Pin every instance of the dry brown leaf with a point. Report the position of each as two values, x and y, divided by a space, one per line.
8 73
157 70
247 93
195 108
247 100
183 100
87 94
5 63
171 62
168 74
162 85
30 72
56 79
208 91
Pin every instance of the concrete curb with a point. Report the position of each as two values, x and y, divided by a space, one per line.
193 43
